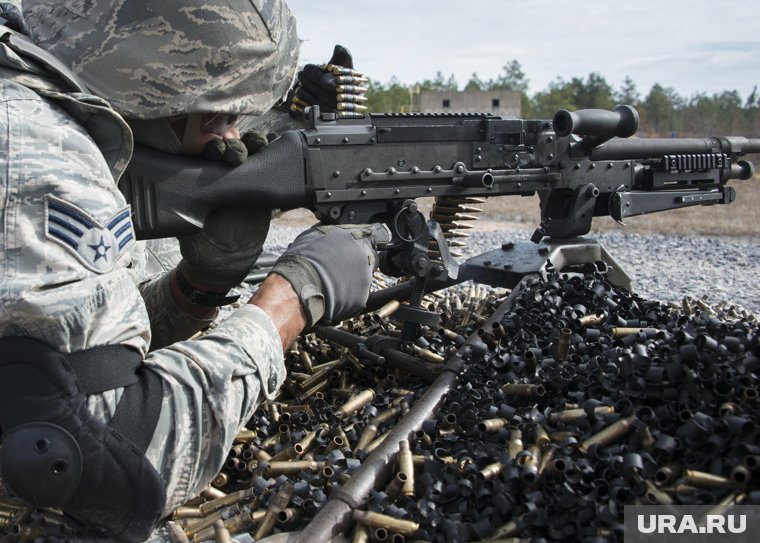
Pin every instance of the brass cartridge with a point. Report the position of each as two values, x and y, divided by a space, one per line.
355 403
378 520
406 466
610 434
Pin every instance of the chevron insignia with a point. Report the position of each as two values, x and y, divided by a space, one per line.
97 246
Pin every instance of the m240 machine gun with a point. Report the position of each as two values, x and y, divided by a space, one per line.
582 164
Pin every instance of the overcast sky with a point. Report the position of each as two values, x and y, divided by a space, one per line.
690 45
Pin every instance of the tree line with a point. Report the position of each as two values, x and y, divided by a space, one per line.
662 111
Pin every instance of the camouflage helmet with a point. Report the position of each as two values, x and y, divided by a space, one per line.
160 58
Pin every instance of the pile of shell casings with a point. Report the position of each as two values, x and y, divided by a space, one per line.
583 398
331 413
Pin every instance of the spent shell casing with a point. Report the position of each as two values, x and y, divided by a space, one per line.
406 466
702 479
212 493
572 415
591 320
288 516
668 473
220 480
176 533
293 466
184 512
376 443
206 522
563 344
491 470
428 355
378 520
397 482
608 435
280 502
524 390
221 533
230 499
491 425
515 444
361 534
244 436
306 361
355 403
369 433
386 311
387 414
530 463
655 495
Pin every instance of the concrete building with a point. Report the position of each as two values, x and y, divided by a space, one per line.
498 102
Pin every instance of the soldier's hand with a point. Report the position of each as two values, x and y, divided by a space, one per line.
330 268
336 87
235 151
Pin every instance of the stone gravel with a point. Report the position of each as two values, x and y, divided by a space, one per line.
663 268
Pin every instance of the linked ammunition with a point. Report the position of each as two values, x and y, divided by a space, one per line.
378 520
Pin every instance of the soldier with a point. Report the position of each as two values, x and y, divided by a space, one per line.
92 423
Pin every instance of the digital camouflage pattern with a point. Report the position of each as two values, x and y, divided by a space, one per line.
160 58
73 296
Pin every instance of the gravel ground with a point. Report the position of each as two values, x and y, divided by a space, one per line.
663 268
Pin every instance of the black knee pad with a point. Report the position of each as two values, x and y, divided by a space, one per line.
56 454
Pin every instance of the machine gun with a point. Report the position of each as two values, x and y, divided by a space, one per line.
371 169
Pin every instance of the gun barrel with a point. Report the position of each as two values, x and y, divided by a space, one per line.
625 149
623 122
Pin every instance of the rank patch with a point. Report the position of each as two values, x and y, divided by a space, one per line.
97 246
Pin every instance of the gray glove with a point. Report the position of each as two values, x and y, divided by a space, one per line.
220 256
331 267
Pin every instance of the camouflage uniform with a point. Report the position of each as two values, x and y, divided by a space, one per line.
69 261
